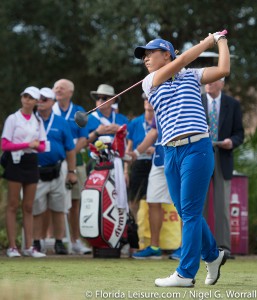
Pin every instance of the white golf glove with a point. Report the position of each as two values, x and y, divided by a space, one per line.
220 34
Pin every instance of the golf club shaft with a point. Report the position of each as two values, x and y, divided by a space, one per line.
114 97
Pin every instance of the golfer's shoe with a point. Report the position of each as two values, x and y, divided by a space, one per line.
148 253
213 268
174 280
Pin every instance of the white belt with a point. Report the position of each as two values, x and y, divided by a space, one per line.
187 140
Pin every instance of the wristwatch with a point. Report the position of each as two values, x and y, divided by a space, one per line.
96 133
72 171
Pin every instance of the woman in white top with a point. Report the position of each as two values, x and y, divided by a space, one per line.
175 95
23 136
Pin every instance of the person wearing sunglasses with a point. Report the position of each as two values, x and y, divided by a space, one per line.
54 163
104 121
22 138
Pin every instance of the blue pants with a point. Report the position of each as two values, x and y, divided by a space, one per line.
188 170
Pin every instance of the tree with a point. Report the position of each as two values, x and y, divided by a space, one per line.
92 42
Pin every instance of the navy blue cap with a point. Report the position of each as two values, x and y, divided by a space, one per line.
155 44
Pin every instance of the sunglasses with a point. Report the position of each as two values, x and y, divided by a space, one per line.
104 98
44 99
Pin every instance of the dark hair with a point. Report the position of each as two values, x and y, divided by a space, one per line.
35 113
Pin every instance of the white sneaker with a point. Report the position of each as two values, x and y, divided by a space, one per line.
213 268
175 280
33 253
12 252
80 248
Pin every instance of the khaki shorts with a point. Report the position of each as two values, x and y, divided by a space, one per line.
52 194
157 188
81 176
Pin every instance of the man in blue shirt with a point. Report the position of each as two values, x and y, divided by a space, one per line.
51 191
104 121
64 107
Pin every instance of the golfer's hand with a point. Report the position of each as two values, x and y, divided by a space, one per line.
209 40
219 34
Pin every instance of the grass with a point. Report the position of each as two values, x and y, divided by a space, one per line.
85 278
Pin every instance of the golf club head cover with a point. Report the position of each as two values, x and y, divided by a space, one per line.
118 144
94 153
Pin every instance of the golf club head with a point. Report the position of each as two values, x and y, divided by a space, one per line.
81 118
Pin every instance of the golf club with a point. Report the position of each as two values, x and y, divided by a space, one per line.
81 117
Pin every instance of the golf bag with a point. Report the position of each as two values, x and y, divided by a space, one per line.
103 216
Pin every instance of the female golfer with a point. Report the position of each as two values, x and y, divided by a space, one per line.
175 95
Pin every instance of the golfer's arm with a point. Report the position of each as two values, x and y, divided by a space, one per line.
173 67
212 74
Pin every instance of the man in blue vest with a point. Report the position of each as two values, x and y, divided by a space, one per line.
54 163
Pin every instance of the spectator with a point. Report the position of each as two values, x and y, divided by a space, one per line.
225 120
104 121
51 191
23 136
157 192
137 178
64 107
175 95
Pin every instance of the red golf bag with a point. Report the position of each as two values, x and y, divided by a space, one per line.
102 222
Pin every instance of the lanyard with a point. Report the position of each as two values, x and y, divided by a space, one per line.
50 123
57 110
69 112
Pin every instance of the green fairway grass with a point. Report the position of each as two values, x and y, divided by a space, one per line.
89 278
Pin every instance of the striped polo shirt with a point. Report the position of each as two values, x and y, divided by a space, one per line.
177 104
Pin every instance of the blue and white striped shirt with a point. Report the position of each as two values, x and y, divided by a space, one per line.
177 104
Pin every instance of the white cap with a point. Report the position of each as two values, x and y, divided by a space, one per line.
47 92
32 91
